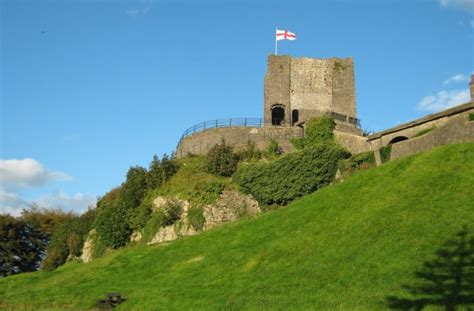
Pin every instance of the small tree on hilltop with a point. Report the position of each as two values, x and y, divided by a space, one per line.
221 160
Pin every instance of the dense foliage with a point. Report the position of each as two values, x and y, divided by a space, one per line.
221 160
21 246
357 162
128 207
296 174
67 241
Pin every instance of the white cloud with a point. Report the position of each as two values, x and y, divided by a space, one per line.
20 173
78 202
466 5
457 79
444 100
11 203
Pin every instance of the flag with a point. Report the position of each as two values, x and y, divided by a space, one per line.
284 35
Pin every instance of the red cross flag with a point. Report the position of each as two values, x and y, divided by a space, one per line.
284 35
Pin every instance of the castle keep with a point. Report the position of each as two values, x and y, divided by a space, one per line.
297 89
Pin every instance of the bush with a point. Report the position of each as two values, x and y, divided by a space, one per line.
250 153
471 117
385 152
221 160
154 224
172 212
357 162
292 176
317 131
273 149
196 218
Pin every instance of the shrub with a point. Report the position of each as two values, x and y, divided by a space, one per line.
250 153
385 152
273 149
172 212
291 176
357 162
211 192
471 117
221 160
317 131
154 224
196 218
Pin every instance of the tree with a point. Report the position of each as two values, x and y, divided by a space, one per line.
447 280
221 160
47 220
21 246
155 173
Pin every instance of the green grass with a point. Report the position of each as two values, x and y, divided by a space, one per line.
345 247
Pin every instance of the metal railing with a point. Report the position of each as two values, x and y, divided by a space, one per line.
213 124
250 122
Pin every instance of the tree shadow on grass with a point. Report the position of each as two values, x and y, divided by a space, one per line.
447 281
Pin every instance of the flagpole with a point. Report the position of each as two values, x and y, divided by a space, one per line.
276 42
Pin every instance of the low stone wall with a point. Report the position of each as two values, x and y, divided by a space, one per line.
353 143
458 130
237 137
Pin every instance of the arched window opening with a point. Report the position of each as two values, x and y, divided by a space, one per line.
294 116
278 115
397 139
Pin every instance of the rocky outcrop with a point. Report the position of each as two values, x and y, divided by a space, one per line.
88 248
230 206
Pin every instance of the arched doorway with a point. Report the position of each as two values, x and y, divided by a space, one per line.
397 139
294 116
278 115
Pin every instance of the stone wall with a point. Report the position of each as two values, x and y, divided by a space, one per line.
411 129
458 130
237 137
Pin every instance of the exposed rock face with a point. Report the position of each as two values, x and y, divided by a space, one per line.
88 247
230 206
136 236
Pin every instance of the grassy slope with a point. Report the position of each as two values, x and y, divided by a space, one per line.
345 247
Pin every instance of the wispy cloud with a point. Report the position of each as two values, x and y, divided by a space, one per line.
22 173
444 100
11 203
466 5
77 202
138 11
457 79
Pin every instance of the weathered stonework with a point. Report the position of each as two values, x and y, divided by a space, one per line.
230 206
237 137
309 87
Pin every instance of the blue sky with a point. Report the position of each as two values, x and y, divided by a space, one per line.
90 88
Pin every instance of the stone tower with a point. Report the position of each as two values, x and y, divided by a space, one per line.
297 89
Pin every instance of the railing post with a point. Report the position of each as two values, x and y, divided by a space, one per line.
230 121
216 123
245 122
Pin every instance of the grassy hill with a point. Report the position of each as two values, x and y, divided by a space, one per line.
346 247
